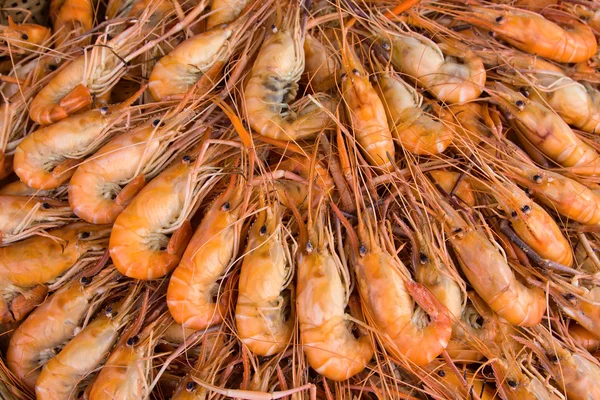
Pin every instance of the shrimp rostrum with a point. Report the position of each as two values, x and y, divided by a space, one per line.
273 84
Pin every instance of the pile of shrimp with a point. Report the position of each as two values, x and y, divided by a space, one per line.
277 199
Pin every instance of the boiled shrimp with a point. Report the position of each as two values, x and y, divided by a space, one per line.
545 130
42 259
322 296
63 374
224 11
531 32
139 243
19 188
194 283
261 309
24 37
490 274
52 324
46 158
273 84
71 19
449 180
584 338
24 216
320 64
416 131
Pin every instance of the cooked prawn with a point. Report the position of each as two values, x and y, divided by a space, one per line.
224 11
71 19
24 38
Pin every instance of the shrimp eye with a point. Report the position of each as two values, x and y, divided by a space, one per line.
356 72
511 383
274 28
492 33
45 206
524 92
537 178
263 230
441 373
309 247
554 359
529 192
84 235
109 311
190 386
386 46
226 207
52 67
344 76
513 214
520 104
526 209
156 123
423 258
569 296
84 280
362 250
25 36
187 159
132 340
458 230
499 19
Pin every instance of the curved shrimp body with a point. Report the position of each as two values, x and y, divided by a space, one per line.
367 116
46 158
386 295
417 132
449 179
192 59
531 32
534 225
224 11
49 326
105 184
41 259
193 285
567 196
446 78
27 37
23 216
490 275
61 376
584 310
139 245
329 345
584 338
320 64
265 271
548 132
71 19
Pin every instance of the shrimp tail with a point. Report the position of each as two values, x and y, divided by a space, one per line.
180 239
130 190
428 302
77 99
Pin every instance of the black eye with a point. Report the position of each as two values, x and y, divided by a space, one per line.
52 67
569 296
156 122
362 250
309 247
263 230
344 76
25 36
520 104
356 72
226 207
554 359
526 209
45 206
499 19
512 383
492 33
524 92
529 192
187 159
458 230
513 214
132 340
274 28
84 235
190 386
423 258
441 373
537 178
103 110
85 280
386 46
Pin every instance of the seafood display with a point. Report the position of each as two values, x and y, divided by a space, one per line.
300 199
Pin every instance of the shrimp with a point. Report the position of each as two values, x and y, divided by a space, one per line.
273 84
322 296
366 113
584 338
24 216
583 306
53 323
531 32
566 196
320 64
194 283
443 76
42 259
575 374
261 307
139 243
448 180
489 273
24 38
442 379
46 158
416 131
63 374
97 70
71 19
224 11
547 131
200 56
386 289
105 184
19 188
124 375
531 222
